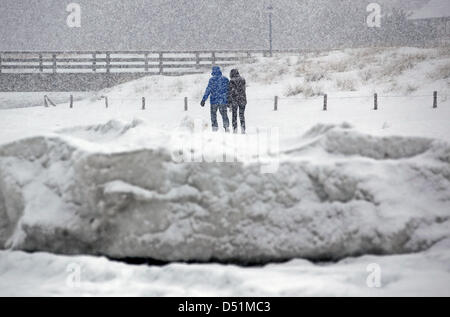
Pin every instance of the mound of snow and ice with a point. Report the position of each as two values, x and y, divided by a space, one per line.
366 194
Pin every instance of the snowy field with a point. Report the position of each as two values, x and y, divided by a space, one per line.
347 188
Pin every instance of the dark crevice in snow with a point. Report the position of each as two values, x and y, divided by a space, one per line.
140 261
236 262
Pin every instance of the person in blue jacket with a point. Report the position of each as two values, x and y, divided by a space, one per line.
217 90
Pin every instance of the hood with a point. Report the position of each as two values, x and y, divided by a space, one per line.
234 73
216 71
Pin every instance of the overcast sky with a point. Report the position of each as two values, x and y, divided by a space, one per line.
176 24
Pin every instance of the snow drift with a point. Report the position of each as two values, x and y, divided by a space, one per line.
41 274
64 193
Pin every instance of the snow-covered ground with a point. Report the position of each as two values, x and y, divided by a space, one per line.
349 181
10 100
41 274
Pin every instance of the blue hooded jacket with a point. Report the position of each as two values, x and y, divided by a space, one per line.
217 88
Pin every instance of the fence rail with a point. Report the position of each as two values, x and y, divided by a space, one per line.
39 71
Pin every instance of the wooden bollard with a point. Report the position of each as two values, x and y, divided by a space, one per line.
375 102
275 104
185 103
71 101
325 102
143 103
435 100
106 101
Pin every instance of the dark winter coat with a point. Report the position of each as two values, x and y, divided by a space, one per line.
217 88
237 94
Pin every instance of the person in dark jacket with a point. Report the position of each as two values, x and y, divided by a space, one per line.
217 90
237 99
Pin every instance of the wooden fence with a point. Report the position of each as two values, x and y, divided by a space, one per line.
276 100
157 62
94 70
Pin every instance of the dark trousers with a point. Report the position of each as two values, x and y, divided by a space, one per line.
223 113
241 109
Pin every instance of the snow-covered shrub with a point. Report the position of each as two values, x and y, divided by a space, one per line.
294 90
409 89
400 64
302 69
366 53
442 72
339 66
346 84
306 90
366 75
443 51
266 73
316 76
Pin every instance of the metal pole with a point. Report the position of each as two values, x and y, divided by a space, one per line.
270 32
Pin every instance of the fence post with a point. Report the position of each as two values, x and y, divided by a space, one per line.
94 62
197 60
41 66
71 101
108 62
0 63
275 105
143 103
146 62
45 101
54 63
185 103
375 101
325 102
435 100
161 68
213 54
106 101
